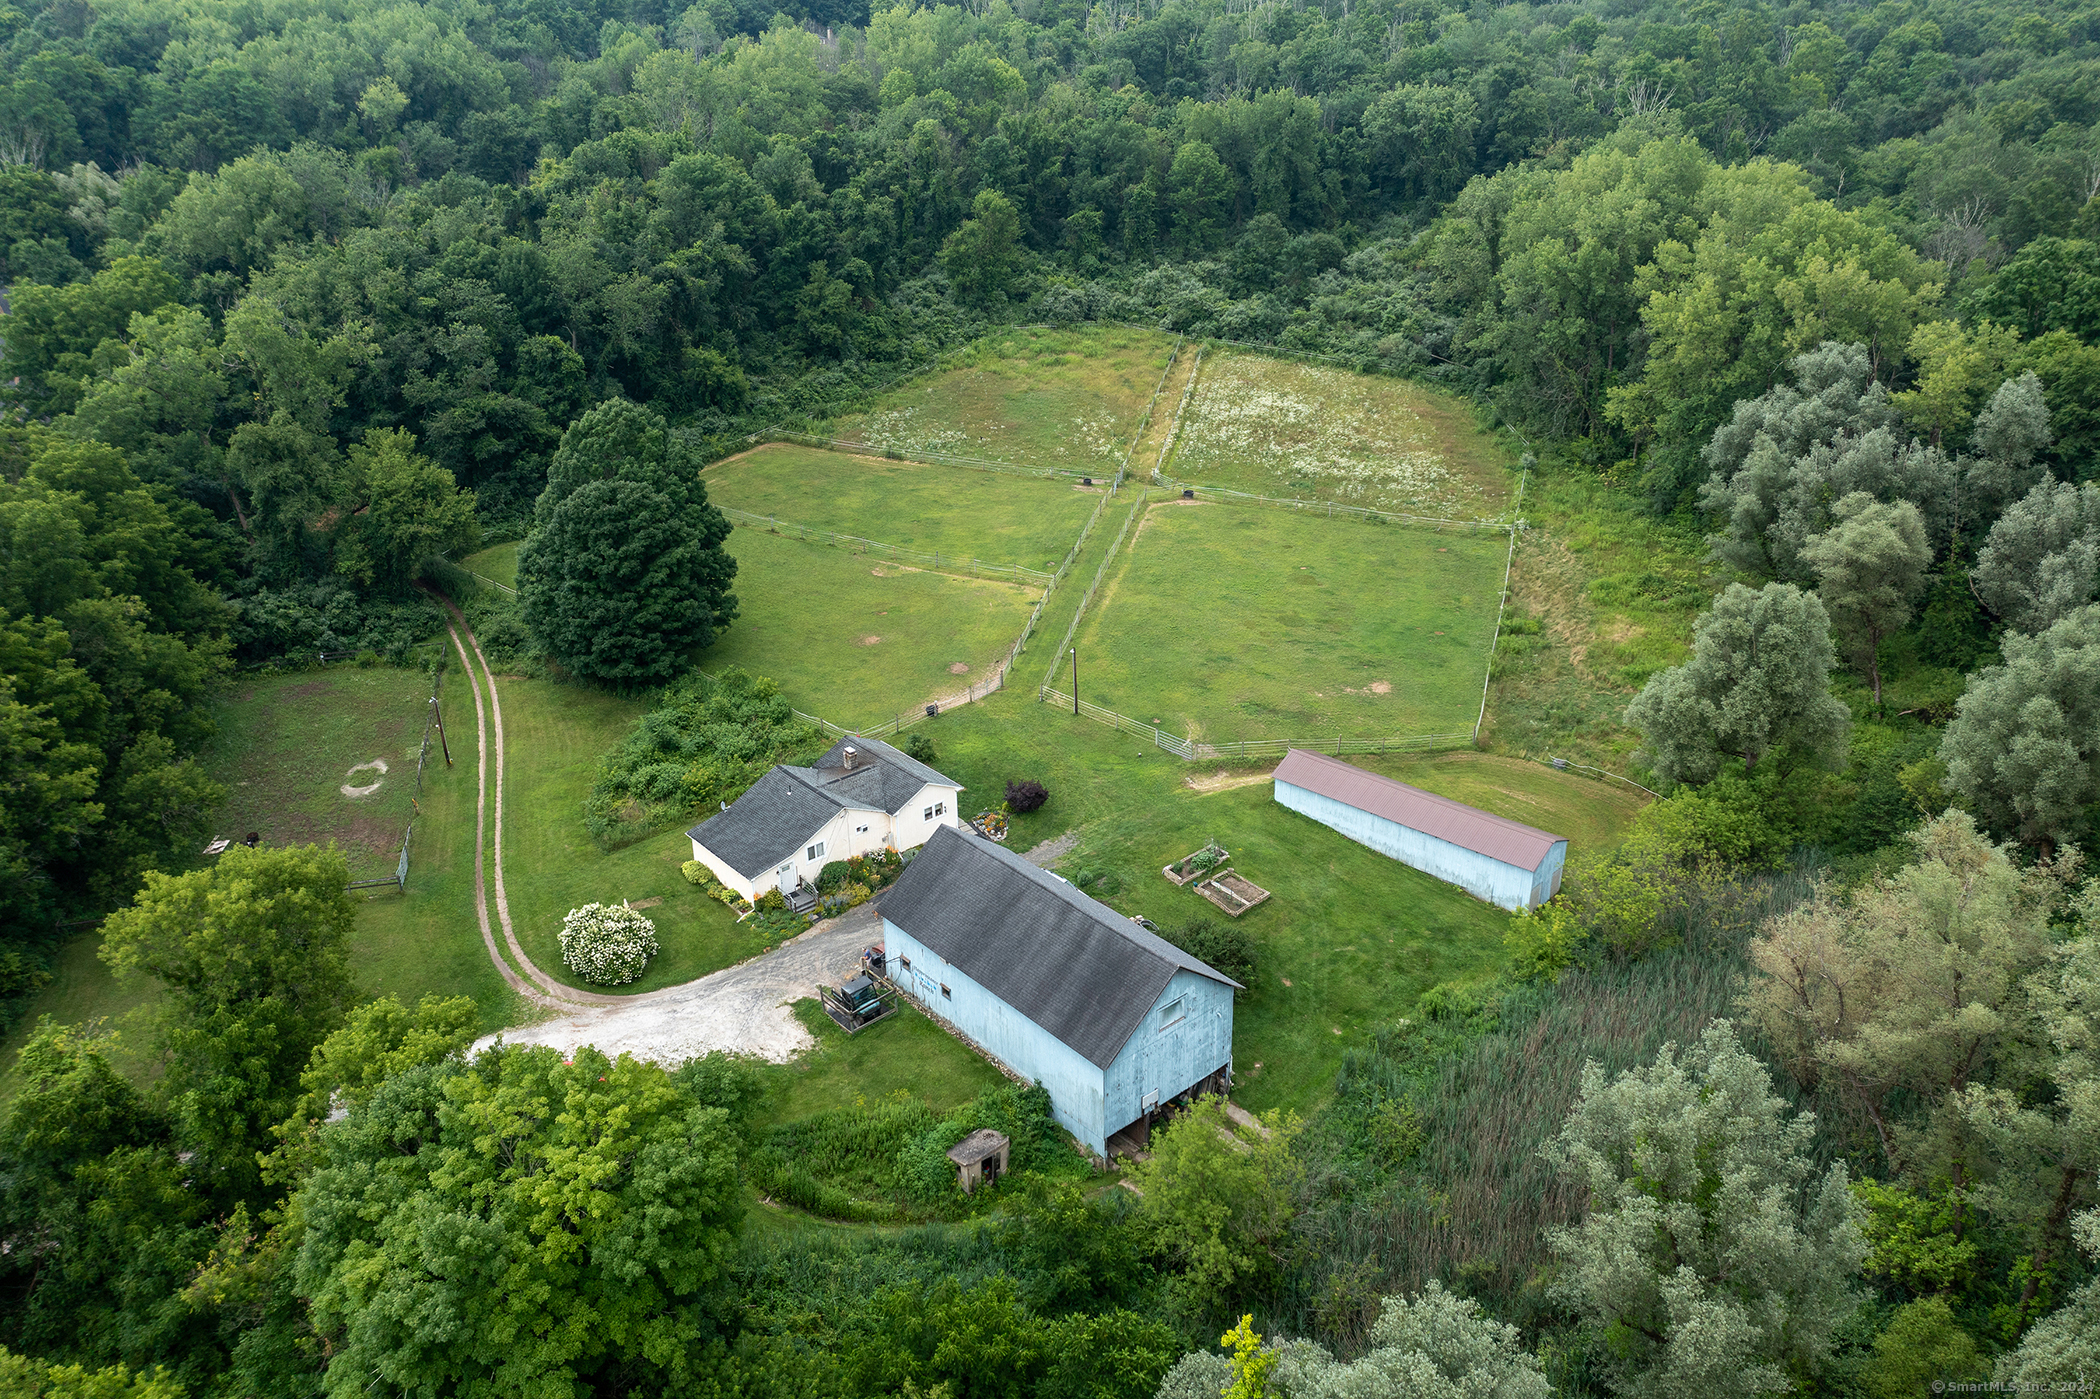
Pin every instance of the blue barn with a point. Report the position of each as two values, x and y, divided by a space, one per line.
1062 990
1491 857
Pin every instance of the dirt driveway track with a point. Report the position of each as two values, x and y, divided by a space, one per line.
743 1009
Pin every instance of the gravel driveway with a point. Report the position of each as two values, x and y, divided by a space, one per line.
743 1008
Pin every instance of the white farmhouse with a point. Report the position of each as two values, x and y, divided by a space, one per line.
859 797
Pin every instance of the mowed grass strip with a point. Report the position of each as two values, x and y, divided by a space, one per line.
1312 432
858 640
1070 399
955 511
1229 622
289 745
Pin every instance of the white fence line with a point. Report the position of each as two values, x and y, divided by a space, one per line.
1191 750
1330 508
975 568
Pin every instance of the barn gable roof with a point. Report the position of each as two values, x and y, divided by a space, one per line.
1076 967
789 804
1468 827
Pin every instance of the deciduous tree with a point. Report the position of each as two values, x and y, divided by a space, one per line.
253 953
2042 560
1758 683
1871 568
2023 748
523 1224
1712 1255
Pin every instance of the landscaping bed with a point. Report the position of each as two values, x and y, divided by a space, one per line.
1196 864
1235 893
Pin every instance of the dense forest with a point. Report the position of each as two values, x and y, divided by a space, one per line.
300 296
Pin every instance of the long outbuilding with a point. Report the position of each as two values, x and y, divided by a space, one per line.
1491 857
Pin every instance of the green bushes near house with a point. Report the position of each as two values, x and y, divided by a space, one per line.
704 743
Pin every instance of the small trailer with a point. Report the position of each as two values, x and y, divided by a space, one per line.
858 1004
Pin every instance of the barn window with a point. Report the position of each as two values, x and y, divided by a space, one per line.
1170 1014
946 994
816 852
904 962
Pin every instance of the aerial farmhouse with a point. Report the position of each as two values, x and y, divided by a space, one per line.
1504 862
861 796
1114 1020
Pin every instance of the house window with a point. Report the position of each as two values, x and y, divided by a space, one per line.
860 830
940 808
946 994
929 813
1170 1014
816 852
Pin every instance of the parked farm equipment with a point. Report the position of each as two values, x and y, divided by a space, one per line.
858 1004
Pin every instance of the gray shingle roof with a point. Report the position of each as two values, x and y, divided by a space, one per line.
1076 967
766 824
781 810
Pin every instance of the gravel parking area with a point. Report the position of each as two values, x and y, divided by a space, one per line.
742 1009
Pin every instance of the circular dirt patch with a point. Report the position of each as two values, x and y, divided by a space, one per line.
376 765
958 669
869 641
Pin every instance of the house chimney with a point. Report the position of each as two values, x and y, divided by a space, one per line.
850 755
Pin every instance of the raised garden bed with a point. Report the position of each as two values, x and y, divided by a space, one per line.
1196 864
989 824
1234 893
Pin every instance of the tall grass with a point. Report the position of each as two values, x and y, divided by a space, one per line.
1472 1203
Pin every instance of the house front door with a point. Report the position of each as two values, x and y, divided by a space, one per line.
786 874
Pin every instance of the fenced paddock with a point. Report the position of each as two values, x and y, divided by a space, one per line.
1068 399
997 517
1231 627
862 640
1295 429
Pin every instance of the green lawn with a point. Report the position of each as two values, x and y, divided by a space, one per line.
1357 936
1310 432
1069 399
858 642
951 510
82 989
1231 622
555 735
498 561
904 1052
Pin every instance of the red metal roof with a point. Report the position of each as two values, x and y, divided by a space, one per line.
1467 827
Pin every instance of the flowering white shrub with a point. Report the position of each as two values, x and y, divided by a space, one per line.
609 944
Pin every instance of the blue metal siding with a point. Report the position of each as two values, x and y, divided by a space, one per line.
1076 1086
1172 1059
1505 885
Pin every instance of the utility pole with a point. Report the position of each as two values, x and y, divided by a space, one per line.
438 717
1075 680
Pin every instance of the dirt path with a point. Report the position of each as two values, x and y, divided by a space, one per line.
741 1009
536 985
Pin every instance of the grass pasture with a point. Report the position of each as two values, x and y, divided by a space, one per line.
993 516
1277 427
1037 396
498 562
298 754
856 640
1229 622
